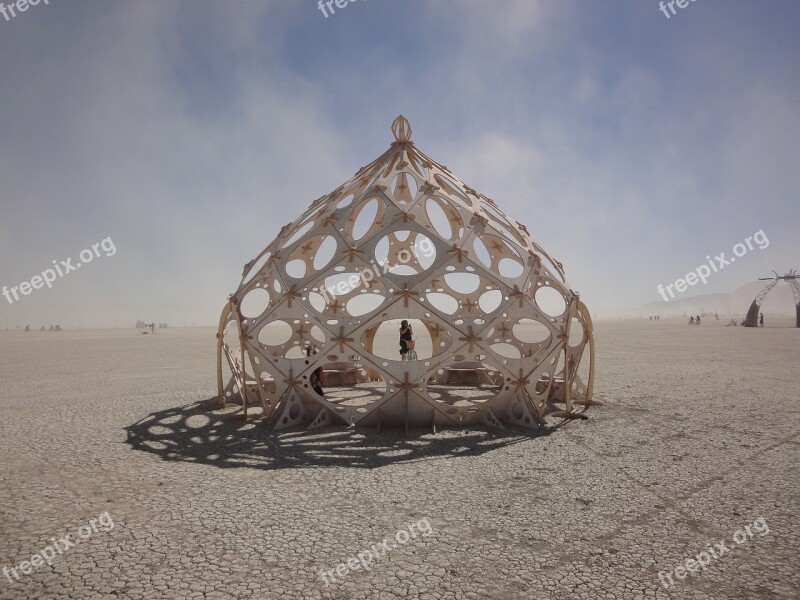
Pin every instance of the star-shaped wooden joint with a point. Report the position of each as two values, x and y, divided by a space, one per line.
274 258
292 294
469 305
406 386
520 382
307 247
517 294
341 339
428 188
290 381
479 220
406 295
406 217
352 253
335 306
503 329
458 252
471 339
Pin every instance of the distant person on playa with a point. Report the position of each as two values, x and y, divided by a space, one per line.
761 319
691 320
697 320
406 335
317 377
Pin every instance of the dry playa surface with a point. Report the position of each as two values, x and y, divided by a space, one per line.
698 439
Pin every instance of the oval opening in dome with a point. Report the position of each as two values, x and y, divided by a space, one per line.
254 303
296 268
438 218
317 333
317 301
481 252
257 266
506 350
509 267
424 250
325 252
530 331
345 201
550 301
363 304
490 301
298 234
462 283
365 219
275 333
442 302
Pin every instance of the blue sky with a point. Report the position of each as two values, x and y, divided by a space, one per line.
631 145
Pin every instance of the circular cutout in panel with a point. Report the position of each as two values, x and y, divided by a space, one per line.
550 301
254 303
257 266
442 302
325 252
510 268
345 201
364 218
296 269
506 350
363 304
481 252
318 334
530 331
275 333
298 234
317 301
424 250
463 283
438 217
490 301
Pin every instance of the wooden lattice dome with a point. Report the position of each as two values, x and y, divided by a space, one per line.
410 241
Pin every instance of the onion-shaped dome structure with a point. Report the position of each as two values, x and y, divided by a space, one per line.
499 335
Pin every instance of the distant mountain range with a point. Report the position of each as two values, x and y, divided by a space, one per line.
779 301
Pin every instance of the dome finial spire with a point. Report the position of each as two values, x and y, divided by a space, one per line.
401 129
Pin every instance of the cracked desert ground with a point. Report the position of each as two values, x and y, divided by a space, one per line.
698 438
